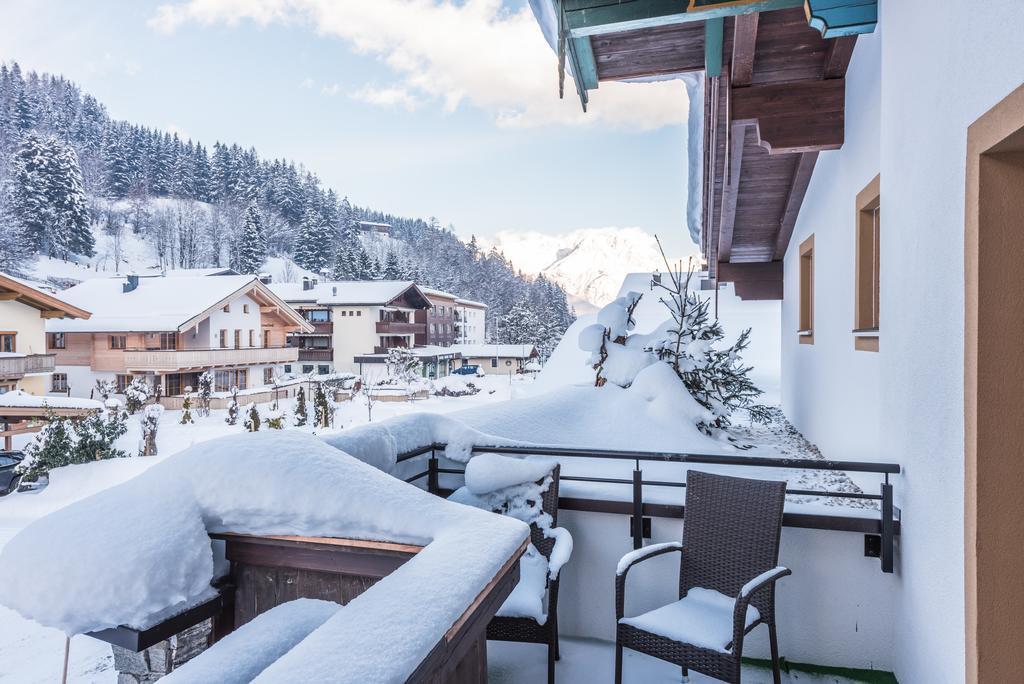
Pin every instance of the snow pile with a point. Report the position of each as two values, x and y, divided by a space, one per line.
379 444
514 487
454 386
244 653
487 473
22 399
141 549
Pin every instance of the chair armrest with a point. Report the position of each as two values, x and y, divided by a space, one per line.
631 559
766 579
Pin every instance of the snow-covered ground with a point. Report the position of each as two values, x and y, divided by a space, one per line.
31 653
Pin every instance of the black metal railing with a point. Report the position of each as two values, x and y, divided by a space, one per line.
886 527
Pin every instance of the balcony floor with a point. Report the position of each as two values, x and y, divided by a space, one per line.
587 660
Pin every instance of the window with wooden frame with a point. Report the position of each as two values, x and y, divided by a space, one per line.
223 338
252 337
866 287
59 382
268 376
121 382
806 329
245 308
168 340
57 341
8 342
118 342
266 339
238 340
227 308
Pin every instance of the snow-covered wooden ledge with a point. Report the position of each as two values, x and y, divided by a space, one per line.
140 552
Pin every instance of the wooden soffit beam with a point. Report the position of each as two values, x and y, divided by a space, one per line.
731 191
744 41
805 116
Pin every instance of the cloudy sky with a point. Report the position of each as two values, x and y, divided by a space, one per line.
419 107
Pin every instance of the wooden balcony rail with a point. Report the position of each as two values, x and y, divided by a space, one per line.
180 359
400 328
316 354
322 327
19 366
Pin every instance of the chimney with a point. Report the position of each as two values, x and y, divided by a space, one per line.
130 284
306 285
266 278
334 291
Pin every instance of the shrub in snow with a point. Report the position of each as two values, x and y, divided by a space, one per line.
205 393
105 389
64 441
232 417
301 413
150 424
252 418
136 394
323 407
454 386
186 406
689 342
275 419
402 365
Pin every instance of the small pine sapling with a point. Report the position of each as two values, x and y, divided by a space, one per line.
323 411
233 408
186 406
301 412
276 419
150 424
52 447
97 434
252 418
205 393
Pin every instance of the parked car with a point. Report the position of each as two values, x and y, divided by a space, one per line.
468 369
9 479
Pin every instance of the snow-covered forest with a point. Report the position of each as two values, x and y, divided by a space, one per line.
70 174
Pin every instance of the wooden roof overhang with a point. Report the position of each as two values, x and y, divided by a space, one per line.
12 290
774 98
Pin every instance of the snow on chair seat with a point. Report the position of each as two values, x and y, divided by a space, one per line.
703 618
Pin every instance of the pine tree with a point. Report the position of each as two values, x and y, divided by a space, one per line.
392 268
252 250
186 406
52 447
301 413
313 242
232 417
322 410
252 420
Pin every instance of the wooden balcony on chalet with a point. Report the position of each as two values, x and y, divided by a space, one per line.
400 328
322 327
316 354
18 366
160 360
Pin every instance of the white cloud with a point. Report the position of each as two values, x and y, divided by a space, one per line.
387 97
332 89
306 83
476 53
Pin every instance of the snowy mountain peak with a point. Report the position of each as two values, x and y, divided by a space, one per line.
589 263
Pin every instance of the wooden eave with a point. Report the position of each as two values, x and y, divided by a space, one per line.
48 305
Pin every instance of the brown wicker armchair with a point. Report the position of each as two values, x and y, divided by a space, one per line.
727 574
527 629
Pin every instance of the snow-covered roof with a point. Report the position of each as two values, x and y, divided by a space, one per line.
437 293
157 304
31 294
87 566
516 351
470 303
185 272
347 292
22 399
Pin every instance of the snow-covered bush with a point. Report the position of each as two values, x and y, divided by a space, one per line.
150 424
65 441
454 386
323 406
186 406
689 342
301 412
252 418
136 394
105 389
275 419
205 393
232 417
402 365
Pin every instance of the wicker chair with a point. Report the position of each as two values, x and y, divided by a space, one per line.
730 546
527 629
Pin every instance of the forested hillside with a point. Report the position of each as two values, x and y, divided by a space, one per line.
70 173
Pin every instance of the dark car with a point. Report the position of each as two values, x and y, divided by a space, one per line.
9 461
468 369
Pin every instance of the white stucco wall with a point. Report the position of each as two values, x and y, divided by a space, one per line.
27 323
940 70
353 335
207 334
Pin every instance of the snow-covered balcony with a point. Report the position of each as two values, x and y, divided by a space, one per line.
161 360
